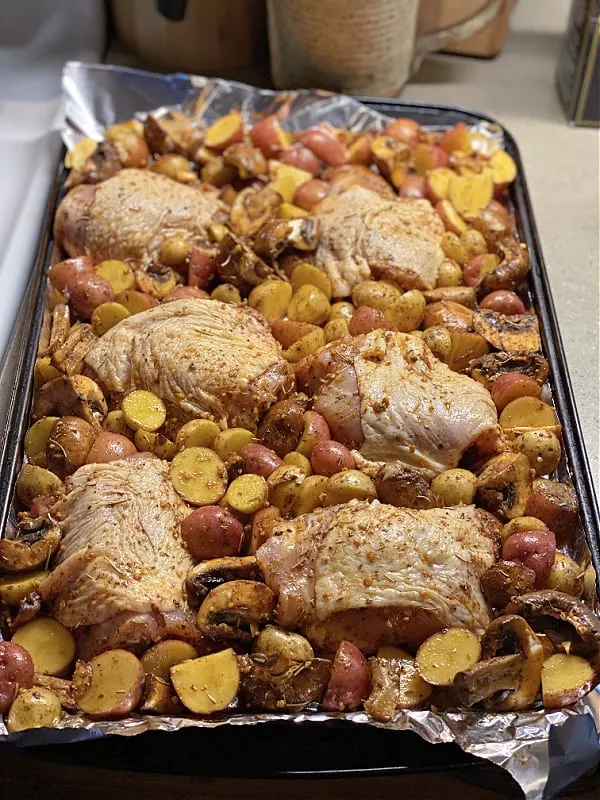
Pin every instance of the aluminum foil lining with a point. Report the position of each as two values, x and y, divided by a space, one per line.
543 751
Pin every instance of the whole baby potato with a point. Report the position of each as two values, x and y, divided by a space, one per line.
534 549
259 460
455 487
328 457
212 532
89 291
16 672
110 447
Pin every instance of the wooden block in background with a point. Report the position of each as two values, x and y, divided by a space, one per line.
436 14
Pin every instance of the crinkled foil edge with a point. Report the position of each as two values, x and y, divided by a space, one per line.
543 751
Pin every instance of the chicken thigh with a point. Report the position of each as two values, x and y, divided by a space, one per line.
386 395
121 567
364 235
127 216
378 575
202 357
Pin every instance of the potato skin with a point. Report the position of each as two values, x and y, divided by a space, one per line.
404 487
534 549
283 425
504 580
259 460
350 681
110 447
212 532
89 291
555 503
328 457
69 445
16 672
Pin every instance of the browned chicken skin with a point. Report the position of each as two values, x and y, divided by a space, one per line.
202 357
378 575
120 571
363 235
127 216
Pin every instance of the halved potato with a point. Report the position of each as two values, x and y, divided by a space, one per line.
160 697
116 685
444 654
565 679
33 708
143 409
15 588
247 494
107 315
197 433
208 684
37 437
118 274
34 481
50 645
525 413
159 658
199 476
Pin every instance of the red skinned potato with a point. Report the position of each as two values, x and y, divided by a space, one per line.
310 193
89 291
329 457
533 549
350 681
315 430
366 319
212 532
183 293
457 138
16 672
511 385
66 273
555 503
116 685
268 136
202 267
478 266
504 301
110 447
429 156
302 158
405 129
325 145
259 460
413 186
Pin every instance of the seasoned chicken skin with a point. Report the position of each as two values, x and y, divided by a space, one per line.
121 566
364 235
386 395
202 357
127 216
378 575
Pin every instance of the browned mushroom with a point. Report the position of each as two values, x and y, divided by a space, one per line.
271 682
239 265
509 674
207 575
75 395
235 610
404 487
486 369
504 580
251 210
562 618
248 160
37 541
276 235
504 485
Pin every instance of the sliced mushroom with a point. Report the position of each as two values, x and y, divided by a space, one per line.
156 280
37 542
404 487
265 684
103 163
304 233
235 610
75 396
505 684
160 697
68 358
29 608
277 235
60 324
511 333
207 575
504 485
251 210
68 445
248 160
67 691
562 618
239 265
171 133
463 295
512 269
505 580
486 369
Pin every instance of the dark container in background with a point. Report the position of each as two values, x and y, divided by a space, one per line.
578 73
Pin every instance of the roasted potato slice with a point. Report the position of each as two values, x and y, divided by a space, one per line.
516 332
208 684
265 685
465 347
444 654
116 685
566 679
143 409
454 316
235 610
199 476
34 547
15 588
33 708
50 645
